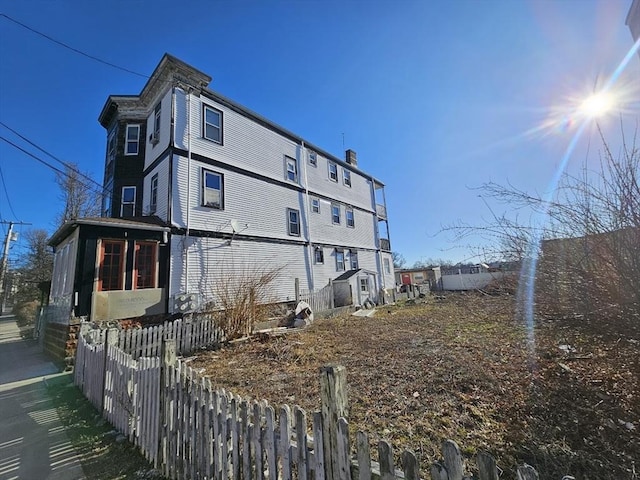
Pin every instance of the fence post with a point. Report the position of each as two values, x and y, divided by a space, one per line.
167 362
110 339
296 286
333 392
332 303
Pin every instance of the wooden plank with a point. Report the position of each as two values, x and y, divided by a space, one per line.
284 443
363 455
224 437
235 427
452 460
343 450
269 441
385 458
333 393
487 469
318 447
301 443
410 466
257 441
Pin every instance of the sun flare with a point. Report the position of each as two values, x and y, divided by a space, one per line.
598 104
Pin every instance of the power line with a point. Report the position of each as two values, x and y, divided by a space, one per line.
66 164
4 185
99 192
71 48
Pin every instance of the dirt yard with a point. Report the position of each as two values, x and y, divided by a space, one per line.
564 397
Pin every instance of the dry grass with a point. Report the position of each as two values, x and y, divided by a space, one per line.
462 369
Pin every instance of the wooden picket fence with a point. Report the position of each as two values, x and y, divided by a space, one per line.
189 335
190 430
319 300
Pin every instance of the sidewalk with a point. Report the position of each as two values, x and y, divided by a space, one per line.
33 443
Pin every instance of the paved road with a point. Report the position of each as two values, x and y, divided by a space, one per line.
33 443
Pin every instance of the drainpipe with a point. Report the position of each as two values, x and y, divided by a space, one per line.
308 214
186 255
378 246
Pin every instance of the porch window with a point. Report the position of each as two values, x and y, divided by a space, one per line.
144 272
110 271
364 285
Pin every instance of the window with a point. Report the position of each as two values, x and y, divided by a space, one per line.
128 205
339 260
293 220
346 177
313 158
364 285
335 214
153 202
348 214
111 146
212 189
110 272
212 128
333 172
315 205
292 169
133 136
318 255
387 265
155 136
144 270
353 259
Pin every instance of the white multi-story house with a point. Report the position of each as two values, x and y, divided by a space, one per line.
219 192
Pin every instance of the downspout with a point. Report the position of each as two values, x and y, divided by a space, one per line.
186 255
378 246
308 215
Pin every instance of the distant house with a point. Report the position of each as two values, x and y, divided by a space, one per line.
199 190
420 276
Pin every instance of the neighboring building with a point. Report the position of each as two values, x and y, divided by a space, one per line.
633 20
420 276
228 193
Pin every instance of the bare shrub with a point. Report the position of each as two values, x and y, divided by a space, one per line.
241 298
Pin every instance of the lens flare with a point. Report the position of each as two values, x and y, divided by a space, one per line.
598 104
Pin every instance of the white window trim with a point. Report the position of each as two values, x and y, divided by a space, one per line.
122 202
346 177
346 217
289 223
127 141
312 155
329 165
319 250
205 123
317 201
290 161
205 171
353 255
341 252
335 205
153 202
154 138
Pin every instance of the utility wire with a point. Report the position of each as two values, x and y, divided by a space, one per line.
66 164
4 185
61 172
71 48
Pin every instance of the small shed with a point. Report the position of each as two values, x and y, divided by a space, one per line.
354 287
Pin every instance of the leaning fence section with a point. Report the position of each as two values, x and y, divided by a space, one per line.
319 300
190 430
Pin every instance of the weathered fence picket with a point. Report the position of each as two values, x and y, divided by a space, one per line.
190 430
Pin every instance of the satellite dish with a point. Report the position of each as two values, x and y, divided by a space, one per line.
235 226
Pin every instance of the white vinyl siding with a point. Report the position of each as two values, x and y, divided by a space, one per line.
161 172
153 150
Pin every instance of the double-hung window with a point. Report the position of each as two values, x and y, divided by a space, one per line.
153 201
339 260
318 255
346 177
335 214
353 259
128 204
313 158
387 265
111 146
315 205
364 285
144 269
110 271
293 222
132 140
333 172
212 127
348 215
212 189
157 113
292 169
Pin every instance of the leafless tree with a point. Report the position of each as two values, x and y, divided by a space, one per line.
81 197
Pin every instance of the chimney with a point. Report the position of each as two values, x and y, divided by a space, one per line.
350 157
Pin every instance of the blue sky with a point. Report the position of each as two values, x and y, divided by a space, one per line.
434 96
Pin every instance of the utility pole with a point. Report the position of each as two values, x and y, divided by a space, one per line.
4 262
